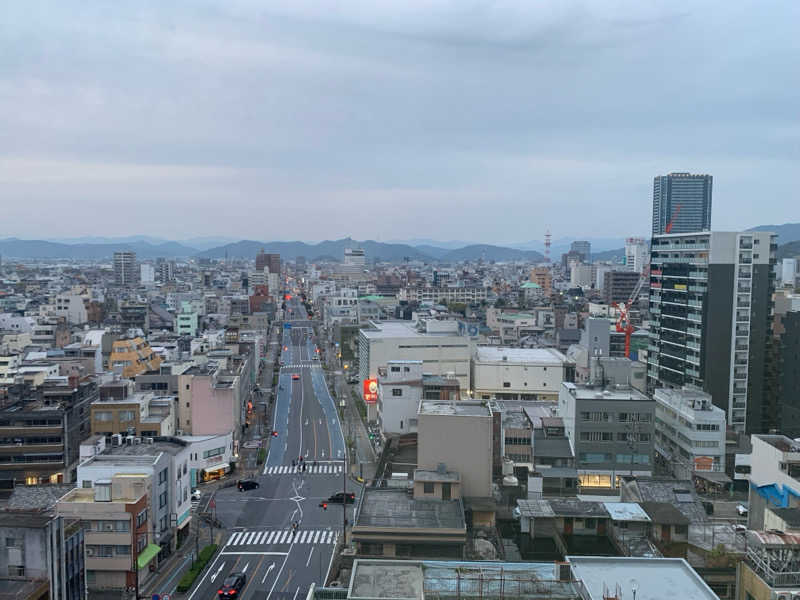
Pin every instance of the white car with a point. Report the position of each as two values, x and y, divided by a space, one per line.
741 509
196 495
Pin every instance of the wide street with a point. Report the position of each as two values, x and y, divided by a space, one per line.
260 542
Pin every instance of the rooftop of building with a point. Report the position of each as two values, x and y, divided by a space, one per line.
791 516
37 497
526 356
415 580
394 508
446 407
604 394
678 493
626 511
400 329
87 495
551 447
572 507
436 476
781 442
654 578
26 519
171 446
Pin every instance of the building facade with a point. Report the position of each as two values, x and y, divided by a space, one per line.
689 432
610 432
126 269
711 306
681 203
519 373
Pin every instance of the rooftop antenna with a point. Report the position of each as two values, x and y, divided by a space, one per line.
547 239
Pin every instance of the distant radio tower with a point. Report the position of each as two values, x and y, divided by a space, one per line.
547 237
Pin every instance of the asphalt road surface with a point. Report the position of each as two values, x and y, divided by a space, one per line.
280 562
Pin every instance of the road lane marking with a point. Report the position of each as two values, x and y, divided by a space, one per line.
271 535
245 568
303 535
316 537
252 553
235 538
269 569
297 591
309 555
214 576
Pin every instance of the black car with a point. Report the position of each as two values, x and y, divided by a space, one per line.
342 498
248 484
232 585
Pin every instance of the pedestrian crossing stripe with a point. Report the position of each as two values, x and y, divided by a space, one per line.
276 537
310 469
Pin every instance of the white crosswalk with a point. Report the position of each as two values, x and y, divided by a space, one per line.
310 470
300 365
277 537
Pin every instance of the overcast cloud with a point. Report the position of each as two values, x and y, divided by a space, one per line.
490 121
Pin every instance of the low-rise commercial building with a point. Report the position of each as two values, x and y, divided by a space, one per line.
519 373
142 414
610 431
118 530
133 356
440 346
689 432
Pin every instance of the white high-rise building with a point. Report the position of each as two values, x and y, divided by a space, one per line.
147 274
636 254
789 271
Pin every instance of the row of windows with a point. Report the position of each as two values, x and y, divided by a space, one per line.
607 457
518 441
608 436
623 417
108 526
214 452
108 550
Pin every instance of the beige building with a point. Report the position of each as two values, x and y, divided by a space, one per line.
143 414
115 518
458 435
519 373
133 356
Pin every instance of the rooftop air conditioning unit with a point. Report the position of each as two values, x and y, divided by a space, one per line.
89 551
116 439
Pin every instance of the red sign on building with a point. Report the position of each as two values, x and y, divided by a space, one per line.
370 391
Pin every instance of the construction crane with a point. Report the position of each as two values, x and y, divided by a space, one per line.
624 324
668 228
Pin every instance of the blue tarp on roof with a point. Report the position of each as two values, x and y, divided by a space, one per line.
775 494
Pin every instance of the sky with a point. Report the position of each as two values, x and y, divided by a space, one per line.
489 121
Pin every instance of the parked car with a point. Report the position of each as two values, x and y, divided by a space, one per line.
342 498
741 509
196 495
232 585
248 484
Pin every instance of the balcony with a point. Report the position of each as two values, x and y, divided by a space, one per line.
695 317
698 289
695 303
694 331
745 260
698 275
695 360
692 372
740 375
693 346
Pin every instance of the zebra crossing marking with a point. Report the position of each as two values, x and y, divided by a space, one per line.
277 537
325 469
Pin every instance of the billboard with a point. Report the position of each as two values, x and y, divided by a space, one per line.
370 391
703 463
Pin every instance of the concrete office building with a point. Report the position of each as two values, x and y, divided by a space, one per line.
619 285
683 201
610 431
519 373
789 272
774 477
689 432
126 270
437 344
711 304
268 262
458 435
583 248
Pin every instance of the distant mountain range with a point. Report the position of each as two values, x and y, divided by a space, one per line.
149 247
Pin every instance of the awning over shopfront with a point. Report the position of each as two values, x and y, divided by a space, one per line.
220 467
145 556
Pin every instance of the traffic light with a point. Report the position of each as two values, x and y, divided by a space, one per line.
323 505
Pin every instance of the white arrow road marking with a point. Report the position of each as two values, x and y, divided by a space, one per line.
272 566
214 576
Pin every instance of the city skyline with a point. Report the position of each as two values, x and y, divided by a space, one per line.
368 118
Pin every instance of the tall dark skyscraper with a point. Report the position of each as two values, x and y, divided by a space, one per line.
682 200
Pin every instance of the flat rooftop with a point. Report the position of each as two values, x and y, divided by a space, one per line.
456 408
654 578
401 329
781 442
396 509
527 356
144 449
626 511
37 497
405 580
608 393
